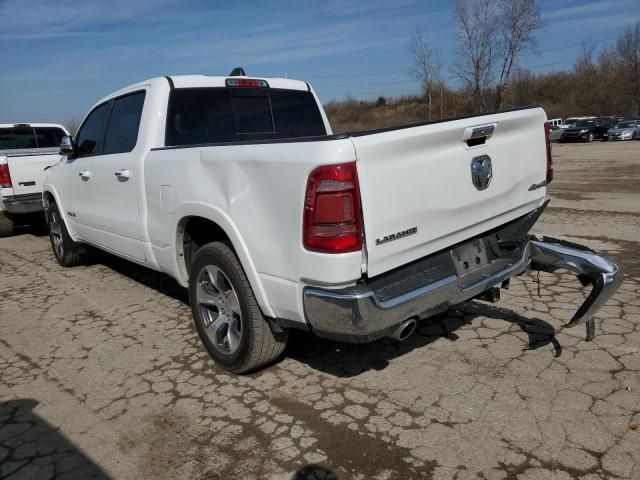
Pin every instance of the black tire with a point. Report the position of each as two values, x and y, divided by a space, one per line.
257 344
68 252
6 225
590 138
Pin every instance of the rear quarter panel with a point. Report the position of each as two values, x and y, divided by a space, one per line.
256 193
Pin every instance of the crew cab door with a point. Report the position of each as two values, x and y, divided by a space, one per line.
75 177
115 179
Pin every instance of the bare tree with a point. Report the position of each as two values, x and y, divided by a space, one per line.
478 39
628 49
606 81
71 125
585 72
518 21
427 66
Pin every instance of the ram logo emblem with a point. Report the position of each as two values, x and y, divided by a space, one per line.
481 172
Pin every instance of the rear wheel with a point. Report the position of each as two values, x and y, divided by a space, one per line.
68 252
6 225
590 138
227 316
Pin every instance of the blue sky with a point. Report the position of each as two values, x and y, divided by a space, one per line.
59 56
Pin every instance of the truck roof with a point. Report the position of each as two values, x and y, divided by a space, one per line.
194 81
32 124
200 81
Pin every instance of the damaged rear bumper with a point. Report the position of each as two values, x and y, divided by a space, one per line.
368 310
605 276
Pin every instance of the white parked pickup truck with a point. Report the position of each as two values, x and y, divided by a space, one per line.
237 188
26 149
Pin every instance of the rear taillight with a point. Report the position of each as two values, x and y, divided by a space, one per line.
332 213
5 175
547 129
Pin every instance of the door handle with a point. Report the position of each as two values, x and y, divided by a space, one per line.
123 174
86 175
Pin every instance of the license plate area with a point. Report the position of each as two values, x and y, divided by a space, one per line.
469 257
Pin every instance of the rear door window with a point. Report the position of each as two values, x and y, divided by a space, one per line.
220 115
124 123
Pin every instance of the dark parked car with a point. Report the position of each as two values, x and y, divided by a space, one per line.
582 131
602 126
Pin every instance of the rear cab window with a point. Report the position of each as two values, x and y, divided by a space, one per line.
27 138
223 115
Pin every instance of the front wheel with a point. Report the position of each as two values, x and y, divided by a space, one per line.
227 316
68 252
590 138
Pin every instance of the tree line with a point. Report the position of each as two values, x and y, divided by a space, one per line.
492 36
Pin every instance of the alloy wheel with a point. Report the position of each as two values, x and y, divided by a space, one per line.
219 308
55 230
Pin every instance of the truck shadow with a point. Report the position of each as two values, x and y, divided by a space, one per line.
349 360
32 224
31 448
158 281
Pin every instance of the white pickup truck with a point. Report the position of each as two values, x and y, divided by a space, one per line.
237 188
26 149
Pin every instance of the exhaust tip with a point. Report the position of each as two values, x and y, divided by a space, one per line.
404 330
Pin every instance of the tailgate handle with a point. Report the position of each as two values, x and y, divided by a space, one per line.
476 136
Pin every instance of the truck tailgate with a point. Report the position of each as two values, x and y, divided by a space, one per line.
27 171
418 194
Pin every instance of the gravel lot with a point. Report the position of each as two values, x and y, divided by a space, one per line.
102 373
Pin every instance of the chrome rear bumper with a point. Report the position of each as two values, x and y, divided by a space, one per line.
28 203
364 313
602 273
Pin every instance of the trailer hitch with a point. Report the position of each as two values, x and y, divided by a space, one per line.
550 254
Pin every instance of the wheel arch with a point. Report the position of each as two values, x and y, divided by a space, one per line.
50 194
201 224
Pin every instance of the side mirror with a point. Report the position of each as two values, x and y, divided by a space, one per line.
67 147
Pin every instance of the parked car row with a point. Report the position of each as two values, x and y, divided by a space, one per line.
588 129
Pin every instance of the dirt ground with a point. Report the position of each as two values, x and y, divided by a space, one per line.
102 374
